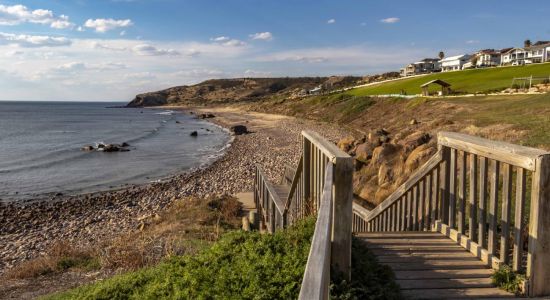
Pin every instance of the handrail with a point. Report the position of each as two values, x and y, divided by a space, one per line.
279 204
329 149
294 185
316 281
428 167
516 155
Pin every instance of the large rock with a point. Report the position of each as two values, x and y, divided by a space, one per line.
87 148
418 156
386 153
414 140
238 129
363 152
346 143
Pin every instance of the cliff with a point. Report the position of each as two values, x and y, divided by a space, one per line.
241 89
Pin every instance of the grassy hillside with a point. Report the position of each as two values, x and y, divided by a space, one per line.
468 81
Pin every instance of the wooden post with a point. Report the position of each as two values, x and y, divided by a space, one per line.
306 145
538 258
342 216
446 178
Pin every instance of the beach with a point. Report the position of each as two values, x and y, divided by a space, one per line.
28 229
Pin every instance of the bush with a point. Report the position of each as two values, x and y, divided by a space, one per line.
506 279
241 265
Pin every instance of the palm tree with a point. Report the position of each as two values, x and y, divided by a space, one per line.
527 43
441 54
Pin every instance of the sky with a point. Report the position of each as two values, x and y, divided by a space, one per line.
111 50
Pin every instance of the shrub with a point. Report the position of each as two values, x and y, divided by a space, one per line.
507 279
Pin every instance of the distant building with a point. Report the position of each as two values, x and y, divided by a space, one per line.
537 53
315 91
489 57
454 63
425 66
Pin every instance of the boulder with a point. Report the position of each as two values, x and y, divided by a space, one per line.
87 148
125 145
414 140
386 153
346 143
363 152
238 129
206 116
418 156
194 133
413 122
111 148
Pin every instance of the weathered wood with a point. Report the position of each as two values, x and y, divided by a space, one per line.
483 175
445 182
409 211
420 193
452 189
429 203
493 205
414 284
343 202
438 274
306 177
415 207
538 258
474 293
473 196
315 284
405 187
516 155
294 184
505 214
462 193
330 150
518 220
436 198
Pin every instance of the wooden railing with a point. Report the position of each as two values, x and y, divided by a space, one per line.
476 191
322 186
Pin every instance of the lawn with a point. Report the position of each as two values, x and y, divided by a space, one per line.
468 81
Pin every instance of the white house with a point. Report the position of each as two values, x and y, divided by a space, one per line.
454 63
427 65
489 57
537 53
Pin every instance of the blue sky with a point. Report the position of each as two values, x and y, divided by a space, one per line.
113 49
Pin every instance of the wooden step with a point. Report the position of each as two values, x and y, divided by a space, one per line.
408 284
476 293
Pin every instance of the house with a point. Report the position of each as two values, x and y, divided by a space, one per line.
538 53
316 90
454 63
489 57
425 66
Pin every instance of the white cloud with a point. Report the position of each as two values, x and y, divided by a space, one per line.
150 50
391 20
29 41
220 39
331 21
123 33
472 42
80 29
98 45
265 36
104 25
17 14
227 41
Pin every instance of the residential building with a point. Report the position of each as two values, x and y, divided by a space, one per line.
425 66
454 63
537 53
489 57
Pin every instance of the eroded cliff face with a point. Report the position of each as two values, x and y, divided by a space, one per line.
219 91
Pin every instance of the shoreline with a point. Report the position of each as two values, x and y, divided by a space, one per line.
28 229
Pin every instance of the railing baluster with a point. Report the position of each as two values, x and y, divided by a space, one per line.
421 205
436 198
462 194
482 224
472 229
518 219
495 171
399 213
505 215
452 190
429 207
403 213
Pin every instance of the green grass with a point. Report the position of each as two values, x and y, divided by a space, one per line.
508 280
468 81
244 265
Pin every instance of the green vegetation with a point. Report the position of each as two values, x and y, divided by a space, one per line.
508 280
468 81
244 265
241 265
335 107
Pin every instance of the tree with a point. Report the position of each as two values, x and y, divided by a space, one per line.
527 43
441 54
474 59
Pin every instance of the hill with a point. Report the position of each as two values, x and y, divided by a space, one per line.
467 81
219 91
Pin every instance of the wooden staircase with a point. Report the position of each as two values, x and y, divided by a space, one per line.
468 210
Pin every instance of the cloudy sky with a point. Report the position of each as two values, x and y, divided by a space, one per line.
114 49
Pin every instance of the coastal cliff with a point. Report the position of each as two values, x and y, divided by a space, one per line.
218 91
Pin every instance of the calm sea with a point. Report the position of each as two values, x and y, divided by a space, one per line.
40 147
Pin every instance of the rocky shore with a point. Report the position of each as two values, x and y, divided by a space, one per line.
28 229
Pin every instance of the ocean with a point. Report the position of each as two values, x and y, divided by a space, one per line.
40 146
